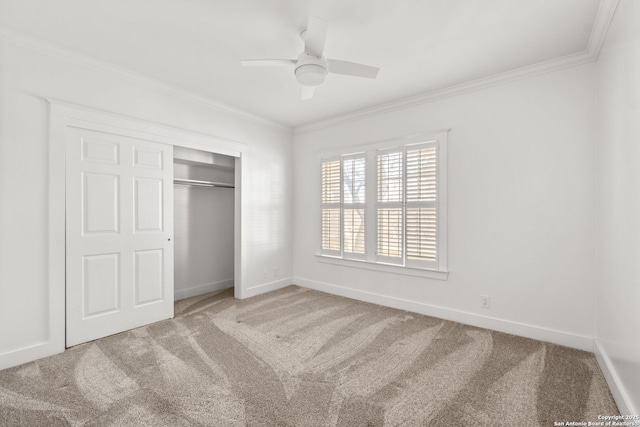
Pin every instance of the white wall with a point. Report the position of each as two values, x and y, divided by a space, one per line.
618 327
27 77
521 208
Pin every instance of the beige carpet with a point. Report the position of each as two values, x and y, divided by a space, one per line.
297 357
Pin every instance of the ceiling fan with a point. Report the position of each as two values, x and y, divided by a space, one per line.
311 67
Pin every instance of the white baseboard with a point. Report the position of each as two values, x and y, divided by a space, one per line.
179 294
620 395
267 287
29 353
580 342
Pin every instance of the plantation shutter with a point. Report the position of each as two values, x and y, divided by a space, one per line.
389 206
353 179
331 185
421 209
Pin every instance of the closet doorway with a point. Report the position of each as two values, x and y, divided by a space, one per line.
203 197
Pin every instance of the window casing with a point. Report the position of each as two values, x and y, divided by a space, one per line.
387 204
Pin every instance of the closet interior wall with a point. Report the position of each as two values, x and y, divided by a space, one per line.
203 222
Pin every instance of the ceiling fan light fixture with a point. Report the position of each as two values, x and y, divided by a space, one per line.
311 67
311 74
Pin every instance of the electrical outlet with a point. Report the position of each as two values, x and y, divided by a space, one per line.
275 271
485 301
265 274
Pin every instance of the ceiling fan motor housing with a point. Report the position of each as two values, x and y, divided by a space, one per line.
310 70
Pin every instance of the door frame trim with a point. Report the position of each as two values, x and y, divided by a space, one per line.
63 115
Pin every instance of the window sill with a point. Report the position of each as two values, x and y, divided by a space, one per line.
389 268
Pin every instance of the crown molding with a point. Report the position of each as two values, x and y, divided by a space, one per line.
606 10
605 13
459 89
35 43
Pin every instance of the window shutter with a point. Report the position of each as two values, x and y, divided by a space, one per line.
390 177
421 214
421 174
421 234
331 236
331 229
390 233
331 182
389 206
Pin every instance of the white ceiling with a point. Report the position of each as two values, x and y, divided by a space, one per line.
420 45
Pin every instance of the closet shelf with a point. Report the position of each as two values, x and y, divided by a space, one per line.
206 164
197 183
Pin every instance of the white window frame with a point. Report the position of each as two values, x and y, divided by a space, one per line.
370 260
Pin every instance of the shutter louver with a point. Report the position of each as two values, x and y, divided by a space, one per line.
390 232
331 229
331 182
421 234
421 175
354 231
390 177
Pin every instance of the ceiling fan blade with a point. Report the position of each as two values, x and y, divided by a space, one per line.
315 36
268 62
352 69
307 92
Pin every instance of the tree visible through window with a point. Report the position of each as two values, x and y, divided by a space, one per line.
353 179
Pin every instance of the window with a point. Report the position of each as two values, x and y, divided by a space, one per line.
353 211
343 206
387 204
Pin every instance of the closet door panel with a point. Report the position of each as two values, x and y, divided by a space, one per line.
100 203
149 272
101 284
100 151
144 157
148 204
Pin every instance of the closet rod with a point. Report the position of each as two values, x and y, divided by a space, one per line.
197 183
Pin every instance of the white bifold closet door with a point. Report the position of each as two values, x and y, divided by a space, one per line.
119 234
